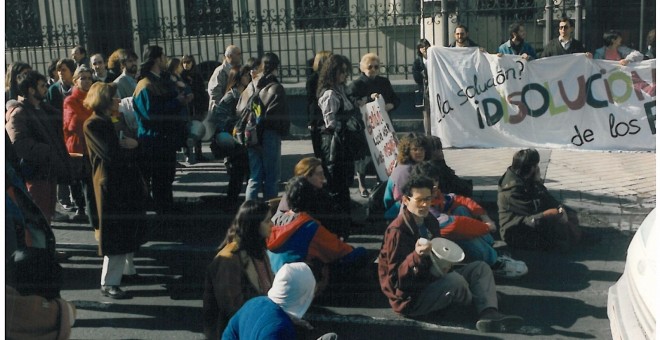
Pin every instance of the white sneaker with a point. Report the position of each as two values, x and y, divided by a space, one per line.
506 267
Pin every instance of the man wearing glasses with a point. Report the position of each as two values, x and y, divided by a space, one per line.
565 44
404 267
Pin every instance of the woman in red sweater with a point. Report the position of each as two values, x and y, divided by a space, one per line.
74 116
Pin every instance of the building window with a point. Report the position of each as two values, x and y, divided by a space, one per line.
312 14
208 17
22 24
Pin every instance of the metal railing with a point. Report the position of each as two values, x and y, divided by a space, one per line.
38 31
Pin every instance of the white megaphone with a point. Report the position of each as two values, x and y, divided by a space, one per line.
445 253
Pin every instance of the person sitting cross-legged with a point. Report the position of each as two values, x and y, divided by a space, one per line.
404 267
465 222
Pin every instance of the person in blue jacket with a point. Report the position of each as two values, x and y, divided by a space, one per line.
276 315
516 44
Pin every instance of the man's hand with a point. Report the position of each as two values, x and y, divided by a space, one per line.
128 143
552 213
624 62
423 248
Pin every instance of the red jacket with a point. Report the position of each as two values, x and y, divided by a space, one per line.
458 227
75 115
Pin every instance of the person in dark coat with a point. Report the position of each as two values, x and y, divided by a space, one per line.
119 189
421 79
565 43
198 107
366 88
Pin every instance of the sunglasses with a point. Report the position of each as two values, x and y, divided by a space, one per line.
373 67
564 27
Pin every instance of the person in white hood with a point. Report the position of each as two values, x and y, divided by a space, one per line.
275 316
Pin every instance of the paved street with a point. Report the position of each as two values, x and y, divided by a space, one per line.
563 296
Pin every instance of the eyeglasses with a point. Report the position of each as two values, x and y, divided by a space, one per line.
564 27
420 200
373 67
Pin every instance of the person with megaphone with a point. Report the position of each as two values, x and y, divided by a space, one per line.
405 266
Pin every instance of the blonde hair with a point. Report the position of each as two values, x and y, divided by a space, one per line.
319 59
100 97
306 166
364 62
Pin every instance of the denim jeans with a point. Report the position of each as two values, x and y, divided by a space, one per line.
265 163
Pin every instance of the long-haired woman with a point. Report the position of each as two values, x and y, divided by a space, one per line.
240 270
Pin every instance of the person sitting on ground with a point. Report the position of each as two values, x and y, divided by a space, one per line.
530 217
276 315
412 151
240 270
323 207
614 50
404 267
298 237
465 222
449 182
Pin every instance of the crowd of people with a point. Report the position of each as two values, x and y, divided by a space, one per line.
102 140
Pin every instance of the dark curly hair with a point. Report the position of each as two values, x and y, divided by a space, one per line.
407 143
244 229
300 194
329 75
417 182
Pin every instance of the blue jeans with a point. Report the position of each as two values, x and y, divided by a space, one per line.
477 249
265 163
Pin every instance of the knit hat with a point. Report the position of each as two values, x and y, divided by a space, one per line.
293 288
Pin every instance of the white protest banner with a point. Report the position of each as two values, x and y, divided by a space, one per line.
570 101
380 137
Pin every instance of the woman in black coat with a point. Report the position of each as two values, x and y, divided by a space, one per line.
421 78
118 187
368 87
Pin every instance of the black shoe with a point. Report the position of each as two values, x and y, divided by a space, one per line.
114 292
492 321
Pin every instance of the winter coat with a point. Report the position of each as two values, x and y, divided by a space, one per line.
521 201
231 280
403 274
119 189
38 143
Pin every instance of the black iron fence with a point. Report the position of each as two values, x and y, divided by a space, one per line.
38 31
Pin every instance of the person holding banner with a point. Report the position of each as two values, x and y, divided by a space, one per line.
530 218
516 45
565 44
366 88
614 50
336 145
